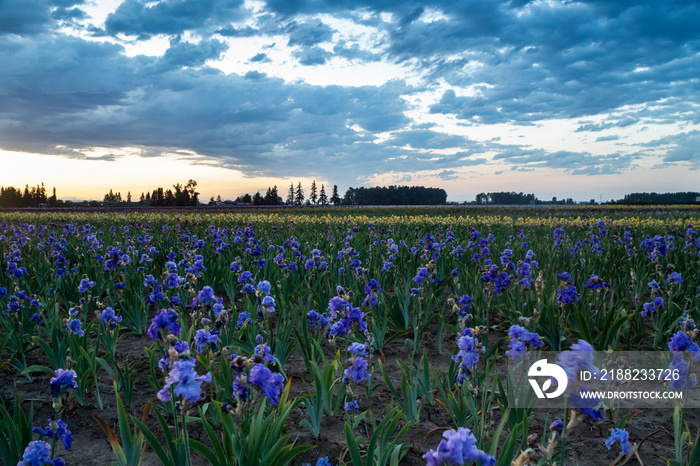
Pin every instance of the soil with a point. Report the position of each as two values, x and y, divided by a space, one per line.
90 446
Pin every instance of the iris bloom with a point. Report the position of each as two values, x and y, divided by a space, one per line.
621 436
64 378
187 383
458 448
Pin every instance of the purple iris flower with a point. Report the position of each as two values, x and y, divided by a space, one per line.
63 378
458 448
165 319
622 437
187 383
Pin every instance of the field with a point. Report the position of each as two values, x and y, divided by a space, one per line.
367 336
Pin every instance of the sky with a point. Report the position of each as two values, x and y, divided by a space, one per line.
588 100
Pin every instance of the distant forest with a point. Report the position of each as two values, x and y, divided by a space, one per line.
187 195
660 198
389 195
395 195
30 197
512 198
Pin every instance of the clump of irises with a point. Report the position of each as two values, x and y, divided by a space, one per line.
184 381
468 355
520 339
40 452
567 292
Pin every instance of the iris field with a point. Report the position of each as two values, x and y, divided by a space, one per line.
336 336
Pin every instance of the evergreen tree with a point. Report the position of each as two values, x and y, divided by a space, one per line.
142 198
313 197
290 195
322 198
276 196
27 197
128 196
335 198
299 195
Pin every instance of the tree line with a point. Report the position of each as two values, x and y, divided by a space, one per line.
180 195
31 197
295 196
660 198
187 195
506 198
513 198
395 195
380 195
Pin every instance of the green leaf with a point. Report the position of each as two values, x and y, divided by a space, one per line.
153 442
352 446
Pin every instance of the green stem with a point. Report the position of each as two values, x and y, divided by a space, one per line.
185 437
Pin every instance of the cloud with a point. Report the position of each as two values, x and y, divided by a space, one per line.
427 139
607 124
145 19
313 56
190 54
594 127
29 17
576 163
598 65
254 75
613 137
446 175
684 147
307 34
253 122
231 31
260 58
353 51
